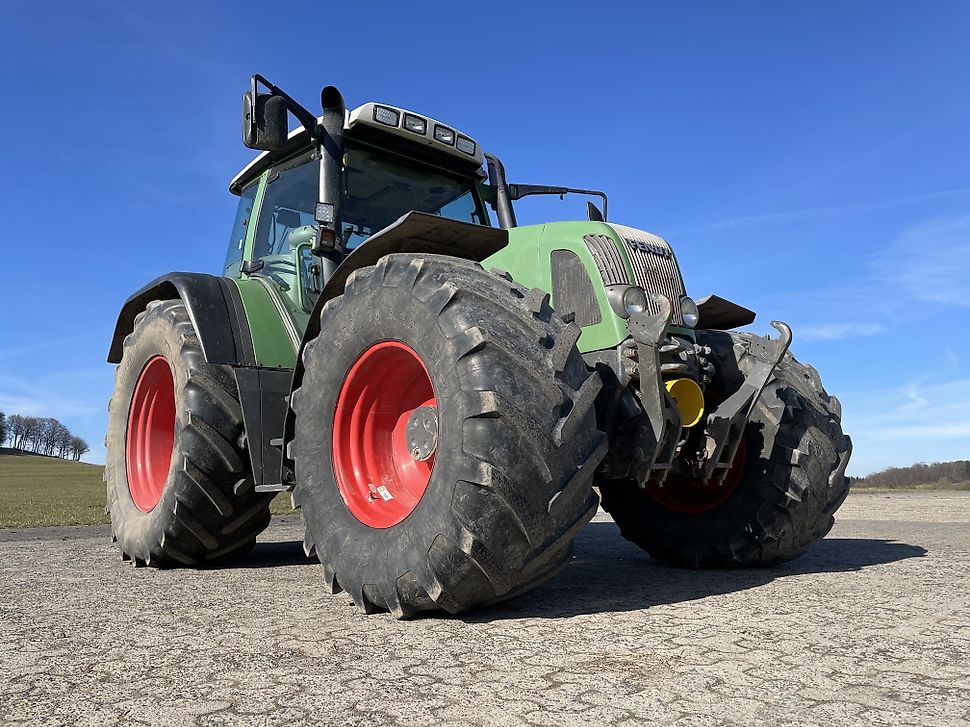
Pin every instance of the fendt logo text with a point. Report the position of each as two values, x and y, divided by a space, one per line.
652 247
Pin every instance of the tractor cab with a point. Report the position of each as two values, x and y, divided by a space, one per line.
394 162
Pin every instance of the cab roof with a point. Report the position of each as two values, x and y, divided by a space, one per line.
392 127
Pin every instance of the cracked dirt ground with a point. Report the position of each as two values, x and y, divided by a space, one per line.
871 627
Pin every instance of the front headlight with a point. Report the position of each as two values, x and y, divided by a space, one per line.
634 301
626 300
689 312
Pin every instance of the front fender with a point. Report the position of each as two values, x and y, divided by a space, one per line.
414 233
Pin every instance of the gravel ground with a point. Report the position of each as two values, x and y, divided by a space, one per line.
872 626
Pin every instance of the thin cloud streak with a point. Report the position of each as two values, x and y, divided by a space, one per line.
41 345
51 394
934 432
924 419
788 215
922 271
930 262
838 331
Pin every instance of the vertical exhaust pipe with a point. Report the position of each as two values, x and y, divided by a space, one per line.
503 203
330 243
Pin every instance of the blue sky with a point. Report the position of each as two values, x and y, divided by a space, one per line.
808 160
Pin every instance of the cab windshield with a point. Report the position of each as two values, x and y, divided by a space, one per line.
378 189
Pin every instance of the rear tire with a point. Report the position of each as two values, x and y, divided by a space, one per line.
517 443
791 482
186 497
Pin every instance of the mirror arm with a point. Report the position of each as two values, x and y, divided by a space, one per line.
518 191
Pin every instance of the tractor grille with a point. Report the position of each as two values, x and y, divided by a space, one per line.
607 259
654 265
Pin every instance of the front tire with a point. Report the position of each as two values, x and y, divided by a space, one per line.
779 498
486 504
179 486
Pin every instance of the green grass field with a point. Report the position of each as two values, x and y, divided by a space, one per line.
37 491
40 491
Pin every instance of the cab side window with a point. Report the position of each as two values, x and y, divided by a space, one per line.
288 204
285 230
237 239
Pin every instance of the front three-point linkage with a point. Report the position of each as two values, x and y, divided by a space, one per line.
658 435
725 425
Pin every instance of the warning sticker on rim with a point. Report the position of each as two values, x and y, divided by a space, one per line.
385 493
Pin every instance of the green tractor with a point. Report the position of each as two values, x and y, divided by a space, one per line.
449 399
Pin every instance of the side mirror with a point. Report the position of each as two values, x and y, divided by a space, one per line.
264 121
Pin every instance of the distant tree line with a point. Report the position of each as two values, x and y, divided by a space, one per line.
938 473
41 435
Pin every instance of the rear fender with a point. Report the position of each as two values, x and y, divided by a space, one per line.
213 306
217 313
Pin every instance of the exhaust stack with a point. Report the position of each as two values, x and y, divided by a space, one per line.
331 136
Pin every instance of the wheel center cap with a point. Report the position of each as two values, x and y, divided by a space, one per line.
422 433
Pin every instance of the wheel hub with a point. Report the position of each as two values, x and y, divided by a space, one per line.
385 434
422 433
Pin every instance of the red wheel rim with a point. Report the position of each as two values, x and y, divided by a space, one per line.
378 477
151 433
694 496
